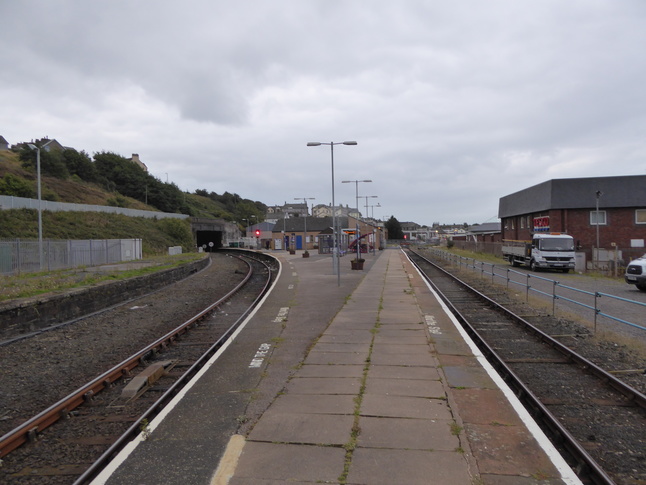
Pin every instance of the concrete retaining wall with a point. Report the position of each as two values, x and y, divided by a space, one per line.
31 314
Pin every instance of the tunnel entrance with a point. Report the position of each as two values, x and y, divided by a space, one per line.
204 238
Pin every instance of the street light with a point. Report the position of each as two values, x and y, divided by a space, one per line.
304 199
373 210
356 186
335 248
40 210
367 197
599 194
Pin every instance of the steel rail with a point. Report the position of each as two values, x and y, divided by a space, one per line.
586 464
28 431
136 428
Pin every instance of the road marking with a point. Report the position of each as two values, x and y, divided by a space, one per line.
431 323
282 315
260 355
290 287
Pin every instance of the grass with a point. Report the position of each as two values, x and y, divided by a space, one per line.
33 284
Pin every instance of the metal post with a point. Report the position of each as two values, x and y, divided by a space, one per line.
335 250
40 208
40 213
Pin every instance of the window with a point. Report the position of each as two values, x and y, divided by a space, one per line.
640 216
522 222
597 218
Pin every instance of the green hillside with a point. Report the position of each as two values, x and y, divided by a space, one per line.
110 180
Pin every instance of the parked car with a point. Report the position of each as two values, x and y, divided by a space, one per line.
636 273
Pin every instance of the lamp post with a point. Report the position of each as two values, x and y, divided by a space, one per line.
305 199
369 197
598 194
40 210
373 210
335 248
356 186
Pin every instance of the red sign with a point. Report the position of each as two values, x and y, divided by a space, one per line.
542 224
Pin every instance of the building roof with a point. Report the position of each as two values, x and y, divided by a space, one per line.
485 228
576 193
297 224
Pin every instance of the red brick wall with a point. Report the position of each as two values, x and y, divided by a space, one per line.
620 228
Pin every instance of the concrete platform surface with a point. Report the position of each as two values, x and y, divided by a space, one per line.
391 393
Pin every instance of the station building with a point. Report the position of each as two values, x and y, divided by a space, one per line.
605 213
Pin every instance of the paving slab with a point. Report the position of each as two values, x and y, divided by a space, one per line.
290 463
522 455
319 429
314 404
407 434
404 407
324 385
314 370
339 358
405 387
403 372
410 467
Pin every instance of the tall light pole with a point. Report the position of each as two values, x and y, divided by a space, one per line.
356 186
368 197
335 247
598 194
373 210
305 199
40 209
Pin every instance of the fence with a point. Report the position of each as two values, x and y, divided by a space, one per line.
22 256
554 290
11 202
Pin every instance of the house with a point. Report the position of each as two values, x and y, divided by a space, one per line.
485 232
276 213
288 233
605 213
4 144
136 160
45 144
262 232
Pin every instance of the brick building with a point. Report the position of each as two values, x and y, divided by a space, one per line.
570 206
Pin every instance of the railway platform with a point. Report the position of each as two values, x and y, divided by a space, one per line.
370 382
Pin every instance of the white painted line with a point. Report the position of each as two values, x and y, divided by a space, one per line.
567 474
103 477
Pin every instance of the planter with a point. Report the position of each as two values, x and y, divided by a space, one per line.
306 254
358 265
292 251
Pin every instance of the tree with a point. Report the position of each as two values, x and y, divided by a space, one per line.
80 164
51 163
394 228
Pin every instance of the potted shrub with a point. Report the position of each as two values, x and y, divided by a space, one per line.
306 254
357 263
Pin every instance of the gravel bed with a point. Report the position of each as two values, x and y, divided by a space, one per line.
39 371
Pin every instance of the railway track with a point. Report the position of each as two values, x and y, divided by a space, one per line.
73 439
597 421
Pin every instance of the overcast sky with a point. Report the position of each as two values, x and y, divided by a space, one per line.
453 104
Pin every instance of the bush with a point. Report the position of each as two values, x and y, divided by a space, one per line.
18 187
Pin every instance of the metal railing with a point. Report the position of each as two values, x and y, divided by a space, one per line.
23 256
575 296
